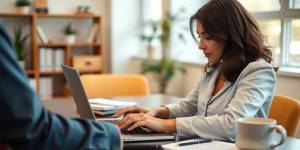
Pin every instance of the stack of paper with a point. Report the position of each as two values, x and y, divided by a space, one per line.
103 106
214 145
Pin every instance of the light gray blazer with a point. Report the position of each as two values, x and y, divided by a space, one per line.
200 114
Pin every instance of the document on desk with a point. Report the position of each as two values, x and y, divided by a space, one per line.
213 145
102 106
110 102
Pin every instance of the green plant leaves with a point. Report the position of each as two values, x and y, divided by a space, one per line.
164 68
23 3
19 42
68 30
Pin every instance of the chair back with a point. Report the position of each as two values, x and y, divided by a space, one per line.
286 111
112 85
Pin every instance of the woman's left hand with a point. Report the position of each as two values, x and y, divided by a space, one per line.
135 120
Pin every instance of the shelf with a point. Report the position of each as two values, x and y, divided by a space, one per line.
63 45
60 72
64 98
75 16
16 15
51 72
69 50
89 71
30 72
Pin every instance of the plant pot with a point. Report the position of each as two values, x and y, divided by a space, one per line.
24 9
22 64
70 39
150 52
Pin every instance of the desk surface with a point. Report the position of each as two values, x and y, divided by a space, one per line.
67 108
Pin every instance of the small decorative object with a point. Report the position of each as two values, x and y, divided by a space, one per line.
70 34
83 9
19 43
41 6
23 6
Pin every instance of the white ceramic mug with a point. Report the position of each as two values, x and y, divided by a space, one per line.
258 133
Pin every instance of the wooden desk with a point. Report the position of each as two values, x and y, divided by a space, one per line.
67 108
290 144
152 100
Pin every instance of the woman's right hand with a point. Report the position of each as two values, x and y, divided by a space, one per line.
131 109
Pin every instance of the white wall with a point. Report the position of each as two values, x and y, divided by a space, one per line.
288 85
126 27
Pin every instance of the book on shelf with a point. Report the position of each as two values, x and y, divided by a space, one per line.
93 33
58 58
42 35
42 59
46 88
51 59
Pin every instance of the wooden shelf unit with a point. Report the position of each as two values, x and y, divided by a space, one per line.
34 70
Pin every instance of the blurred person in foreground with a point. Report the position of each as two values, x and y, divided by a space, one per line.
26 124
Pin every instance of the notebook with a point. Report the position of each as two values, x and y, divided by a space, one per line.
104 106
84 109
213 145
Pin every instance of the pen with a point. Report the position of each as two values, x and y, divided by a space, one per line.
199 141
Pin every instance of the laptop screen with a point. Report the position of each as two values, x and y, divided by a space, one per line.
73 78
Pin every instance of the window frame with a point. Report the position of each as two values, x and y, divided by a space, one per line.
285 14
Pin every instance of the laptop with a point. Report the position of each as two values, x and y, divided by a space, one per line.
84 109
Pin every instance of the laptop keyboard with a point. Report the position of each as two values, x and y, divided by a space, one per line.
116 121
139 130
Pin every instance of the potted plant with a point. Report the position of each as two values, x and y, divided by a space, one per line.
70 34
165 69
23 6
149 38
19 43
165 24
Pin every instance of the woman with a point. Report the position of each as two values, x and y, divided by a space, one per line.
238 80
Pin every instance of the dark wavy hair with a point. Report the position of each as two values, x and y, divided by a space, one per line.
229 22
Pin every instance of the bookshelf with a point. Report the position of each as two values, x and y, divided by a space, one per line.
86 48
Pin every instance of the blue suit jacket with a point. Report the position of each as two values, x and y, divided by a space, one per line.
26 124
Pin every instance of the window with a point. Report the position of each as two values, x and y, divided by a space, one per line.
152 10
261 5
279 21
185 51
271 29
295 4
294 53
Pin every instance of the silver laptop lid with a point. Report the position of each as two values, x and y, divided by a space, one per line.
84 109
73 79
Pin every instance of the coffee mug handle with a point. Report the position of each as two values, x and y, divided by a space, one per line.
282 132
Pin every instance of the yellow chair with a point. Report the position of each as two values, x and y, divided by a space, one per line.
286 111
110 85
